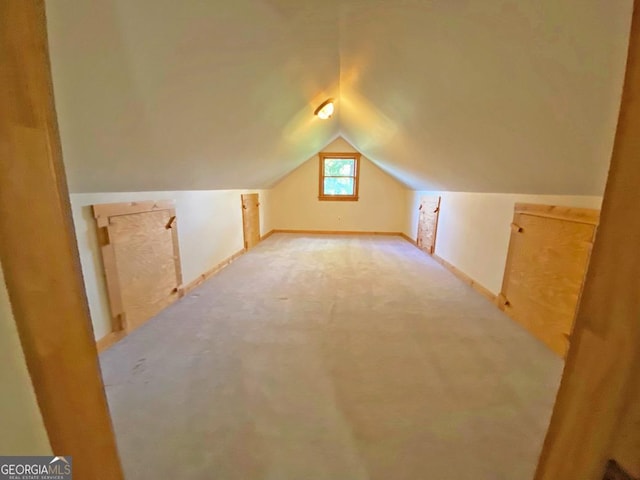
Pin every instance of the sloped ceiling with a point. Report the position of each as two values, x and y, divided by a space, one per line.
466 95
190 94
486 95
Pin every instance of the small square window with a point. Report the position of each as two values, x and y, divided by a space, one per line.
339 176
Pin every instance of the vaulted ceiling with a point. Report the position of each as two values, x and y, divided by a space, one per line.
465 95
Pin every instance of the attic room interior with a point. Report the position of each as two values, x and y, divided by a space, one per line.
350 239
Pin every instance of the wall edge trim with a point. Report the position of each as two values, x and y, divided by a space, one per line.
213 271
267 235
336 232
113 337
109 339
410 240
481 289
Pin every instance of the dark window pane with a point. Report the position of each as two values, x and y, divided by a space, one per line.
339 186
339 167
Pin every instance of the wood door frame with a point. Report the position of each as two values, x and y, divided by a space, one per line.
597 411
39 253
432 249
244 218
102 214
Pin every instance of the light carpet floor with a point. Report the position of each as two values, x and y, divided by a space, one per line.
331 358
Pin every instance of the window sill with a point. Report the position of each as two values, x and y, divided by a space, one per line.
335 198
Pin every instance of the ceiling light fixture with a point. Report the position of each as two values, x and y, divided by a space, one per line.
325 110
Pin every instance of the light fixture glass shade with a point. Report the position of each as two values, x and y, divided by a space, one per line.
325 110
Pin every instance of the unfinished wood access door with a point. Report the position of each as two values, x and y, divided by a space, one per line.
139 243
251 219
546 265
429 212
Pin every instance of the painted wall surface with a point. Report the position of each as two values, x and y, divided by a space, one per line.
381 206
22 430
209 230
474 228
146 103
485 96
159 95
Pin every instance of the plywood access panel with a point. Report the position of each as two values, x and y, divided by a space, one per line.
251 219
428 215
546 265
141 259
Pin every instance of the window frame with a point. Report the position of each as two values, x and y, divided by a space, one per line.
339 155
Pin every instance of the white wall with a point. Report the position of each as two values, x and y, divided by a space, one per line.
22 430
165 94
474 228
209 230
486 95
381 206
158 95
